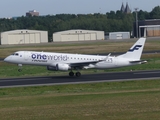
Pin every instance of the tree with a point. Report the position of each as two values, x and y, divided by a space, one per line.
111 15
155 13
142 15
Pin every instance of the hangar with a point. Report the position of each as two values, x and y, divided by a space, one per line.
149 31
78 35
119 35
24 37
147 28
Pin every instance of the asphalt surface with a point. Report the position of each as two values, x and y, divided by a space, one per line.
90 78
1 59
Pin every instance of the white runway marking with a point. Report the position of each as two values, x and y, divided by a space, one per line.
148 72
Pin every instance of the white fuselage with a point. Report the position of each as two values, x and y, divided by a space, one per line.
51 59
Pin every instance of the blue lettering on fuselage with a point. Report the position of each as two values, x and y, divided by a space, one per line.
39 56
49 57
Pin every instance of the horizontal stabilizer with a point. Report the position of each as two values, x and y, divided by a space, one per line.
139 61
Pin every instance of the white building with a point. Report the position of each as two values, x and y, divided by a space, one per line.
119 35
78 35
24 37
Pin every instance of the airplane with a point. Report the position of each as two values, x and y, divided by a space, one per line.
64 61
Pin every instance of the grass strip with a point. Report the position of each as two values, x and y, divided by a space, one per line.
131 100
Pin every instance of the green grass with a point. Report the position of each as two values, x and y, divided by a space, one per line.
132 100
93 47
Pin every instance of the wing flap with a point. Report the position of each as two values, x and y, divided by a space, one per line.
81 64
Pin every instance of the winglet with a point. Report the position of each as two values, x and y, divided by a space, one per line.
107 57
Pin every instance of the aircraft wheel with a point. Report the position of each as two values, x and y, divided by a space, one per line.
78 74
19 70
71 74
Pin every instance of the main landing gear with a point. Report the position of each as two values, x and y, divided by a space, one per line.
71 74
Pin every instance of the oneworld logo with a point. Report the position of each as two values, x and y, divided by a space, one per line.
39 56
135 48
49 57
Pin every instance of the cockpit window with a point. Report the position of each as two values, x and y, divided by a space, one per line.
15 54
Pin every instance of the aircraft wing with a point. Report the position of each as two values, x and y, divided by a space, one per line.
81 64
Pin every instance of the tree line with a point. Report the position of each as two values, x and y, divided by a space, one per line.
110 22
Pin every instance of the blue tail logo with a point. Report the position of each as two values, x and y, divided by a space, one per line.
135 48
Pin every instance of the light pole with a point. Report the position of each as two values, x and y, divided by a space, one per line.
136 10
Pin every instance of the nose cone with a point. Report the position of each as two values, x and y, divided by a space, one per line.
7 59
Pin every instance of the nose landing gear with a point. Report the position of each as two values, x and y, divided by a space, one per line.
20 67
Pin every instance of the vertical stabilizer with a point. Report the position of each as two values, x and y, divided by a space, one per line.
135 51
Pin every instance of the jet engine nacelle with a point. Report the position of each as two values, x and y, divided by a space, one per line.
61 67
51 68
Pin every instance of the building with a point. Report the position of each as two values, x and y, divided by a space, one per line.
78 35
126 9
147 28
119 35
24 37
122 8
32 13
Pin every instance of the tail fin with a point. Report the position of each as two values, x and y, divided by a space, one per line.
135 51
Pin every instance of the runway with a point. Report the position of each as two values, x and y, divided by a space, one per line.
88 78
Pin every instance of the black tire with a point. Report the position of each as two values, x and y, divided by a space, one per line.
19 70
71 74
78 74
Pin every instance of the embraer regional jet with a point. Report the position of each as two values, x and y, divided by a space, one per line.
65 62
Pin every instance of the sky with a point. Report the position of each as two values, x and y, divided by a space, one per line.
15 8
